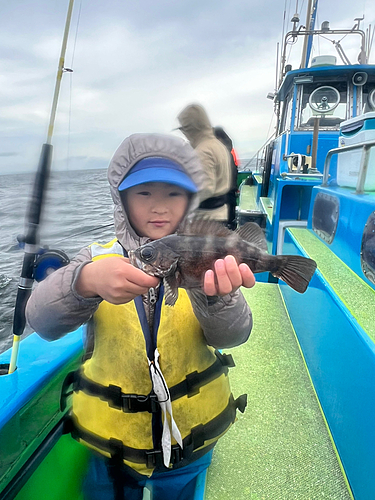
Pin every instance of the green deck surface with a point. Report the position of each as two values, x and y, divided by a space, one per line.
355 294
280 448
248 198
267 204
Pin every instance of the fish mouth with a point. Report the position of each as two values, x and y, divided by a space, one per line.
139 264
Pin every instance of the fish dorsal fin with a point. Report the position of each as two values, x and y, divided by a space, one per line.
252 233
199 226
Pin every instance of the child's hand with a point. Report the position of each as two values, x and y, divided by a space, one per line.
114 279
228 276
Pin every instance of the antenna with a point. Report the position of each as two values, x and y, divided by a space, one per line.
277 64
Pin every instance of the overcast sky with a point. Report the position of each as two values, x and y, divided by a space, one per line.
137 64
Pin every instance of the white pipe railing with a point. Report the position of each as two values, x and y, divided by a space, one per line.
366 146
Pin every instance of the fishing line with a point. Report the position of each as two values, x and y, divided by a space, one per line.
84 232
71 85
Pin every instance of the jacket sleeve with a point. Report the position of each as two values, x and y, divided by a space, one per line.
54 307
226 321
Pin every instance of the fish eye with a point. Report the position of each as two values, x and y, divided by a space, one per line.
147 253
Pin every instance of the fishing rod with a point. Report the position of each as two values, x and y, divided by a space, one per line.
31 239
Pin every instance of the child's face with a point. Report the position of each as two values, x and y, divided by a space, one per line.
155 209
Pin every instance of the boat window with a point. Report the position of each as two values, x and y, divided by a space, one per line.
368 249
325 216
368 97
329 120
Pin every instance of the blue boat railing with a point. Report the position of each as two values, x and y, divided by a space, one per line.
366 147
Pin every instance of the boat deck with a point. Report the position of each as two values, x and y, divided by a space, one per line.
248 199
280 447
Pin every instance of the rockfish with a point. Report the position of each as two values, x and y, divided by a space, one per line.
181 259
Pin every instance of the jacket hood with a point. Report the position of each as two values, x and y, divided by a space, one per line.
195 124
135 148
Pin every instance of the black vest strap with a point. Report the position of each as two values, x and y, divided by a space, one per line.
194 381
128 403
154 458
133 403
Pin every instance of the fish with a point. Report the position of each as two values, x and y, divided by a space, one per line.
181 259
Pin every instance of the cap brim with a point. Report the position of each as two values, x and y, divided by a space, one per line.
166 175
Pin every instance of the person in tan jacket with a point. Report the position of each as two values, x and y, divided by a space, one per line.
215 160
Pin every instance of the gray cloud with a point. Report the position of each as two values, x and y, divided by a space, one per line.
136 64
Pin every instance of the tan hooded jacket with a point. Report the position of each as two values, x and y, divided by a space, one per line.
213 155
55 308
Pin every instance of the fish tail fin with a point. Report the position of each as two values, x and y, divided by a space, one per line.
297 271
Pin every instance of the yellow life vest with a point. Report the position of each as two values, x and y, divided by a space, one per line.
114 407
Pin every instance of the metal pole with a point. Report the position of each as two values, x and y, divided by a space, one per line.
314 152
364 161
363 170
305 42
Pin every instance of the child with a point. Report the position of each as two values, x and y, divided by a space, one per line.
154 397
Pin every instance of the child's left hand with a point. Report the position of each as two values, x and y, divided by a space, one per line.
227 277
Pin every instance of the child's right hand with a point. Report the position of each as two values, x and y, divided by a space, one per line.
114 279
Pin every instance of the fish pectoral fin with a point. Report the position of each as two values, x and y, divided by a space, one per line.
170 290
252 233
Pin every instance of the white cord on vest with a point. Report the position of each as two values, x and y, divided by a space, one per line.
162 393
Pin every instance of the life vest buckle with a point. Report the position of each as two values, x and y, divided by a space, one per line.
177 454
134 403
226 359
154 458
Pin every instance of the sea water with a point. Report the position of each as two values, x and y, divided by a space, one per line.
77 204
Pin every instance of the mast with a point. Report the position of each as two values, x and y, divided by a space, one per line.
305 42
31 239
311 28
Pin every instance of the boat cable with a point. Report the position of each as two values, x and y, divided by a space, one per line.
31 239
260 149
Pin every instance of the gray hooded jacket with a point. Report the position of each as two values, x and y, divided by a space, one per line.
213 155
55 308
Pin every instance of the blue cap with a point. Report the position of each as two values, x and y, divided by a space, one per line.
157 169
